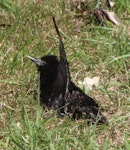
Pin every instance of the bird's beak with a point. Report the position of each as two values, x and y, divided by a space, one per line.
38 62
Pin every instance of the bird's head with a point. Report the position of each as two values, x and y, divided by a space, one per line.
45 64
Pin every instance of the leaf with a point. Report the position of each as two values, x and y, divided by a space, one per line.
102 14
98 13
110 3
111 17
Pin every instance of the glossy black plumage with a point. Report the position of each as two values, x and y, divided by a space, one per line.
59 92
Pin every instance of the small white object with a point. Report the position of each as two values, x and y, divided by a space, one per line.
90 82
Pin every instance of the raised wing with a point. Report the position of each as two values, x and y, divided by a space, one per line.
63 61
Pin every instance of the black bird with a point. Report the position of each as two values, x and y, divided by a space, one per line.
59 92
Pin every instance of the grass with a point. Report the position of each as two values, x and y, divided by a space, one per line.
92 50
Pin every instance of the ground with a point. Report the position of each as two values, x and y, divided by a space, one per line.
93 49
